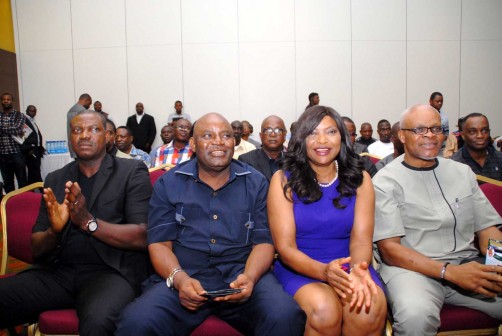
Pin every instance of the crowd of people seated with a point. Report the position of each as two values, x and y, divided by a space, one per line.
275 237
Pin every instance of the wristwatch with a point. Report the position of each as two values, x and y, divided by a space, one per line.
170 278
92 225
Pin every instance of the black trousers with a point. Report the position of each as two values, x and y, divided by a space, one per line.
99 295
10 165
33 163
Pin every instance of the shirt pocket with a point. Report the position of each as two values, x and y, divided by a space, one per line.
464 212
239 229
187 219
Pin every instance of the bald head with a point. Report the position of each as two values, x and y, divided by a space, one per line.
421 150
408 114
274 119
209 118
272 135
213 143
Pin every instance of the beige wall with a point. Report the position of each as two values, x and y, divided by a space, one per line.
247 59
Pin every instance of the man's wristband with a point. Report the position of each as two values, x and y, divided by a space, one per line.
170 278
443 270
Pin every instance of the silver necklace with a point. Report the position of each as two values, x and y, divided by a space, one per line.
326 185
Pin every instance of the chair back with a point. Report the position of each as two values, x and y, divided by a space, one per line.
157 172
19 210
374 158
494 194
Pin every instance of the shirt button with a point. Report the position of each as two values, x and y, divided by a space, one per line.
213 241
215 194
215 217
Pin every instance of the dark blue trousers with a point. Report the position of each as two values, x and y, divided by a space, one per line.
269 311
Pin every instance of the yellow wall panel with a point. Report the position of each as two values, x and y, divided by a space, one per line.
6 27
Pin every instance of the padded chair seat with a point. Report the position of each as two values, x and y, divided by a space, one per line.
58 322
455 318
213 326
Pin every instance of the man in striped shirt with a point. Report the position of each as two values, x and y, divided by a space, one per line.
178 150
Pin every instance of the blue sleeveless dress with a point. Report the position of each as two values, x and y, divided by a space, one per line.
322 233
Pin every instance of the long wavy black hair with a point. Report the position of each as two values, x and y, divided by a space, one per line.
302 178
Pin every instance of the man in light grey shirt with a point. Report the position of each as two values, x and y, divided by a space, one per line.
427 212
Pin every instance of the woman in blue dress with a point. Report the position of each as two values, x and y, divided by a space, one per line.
321 211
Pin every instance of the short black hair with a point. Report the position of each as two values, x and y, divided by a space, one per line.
434 94
7 94
347 119
471 115
383 121
129 131
108 121
84 96
312 95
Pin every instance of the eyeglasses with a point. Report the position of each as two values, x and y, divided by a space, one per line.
183 128
270 130
424 130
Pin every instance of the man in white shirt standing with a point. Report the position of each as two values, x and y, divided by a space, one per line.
178 113
384 146
241 145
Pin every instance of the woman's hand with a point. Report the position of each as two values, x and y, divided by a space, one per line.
363 284
337 277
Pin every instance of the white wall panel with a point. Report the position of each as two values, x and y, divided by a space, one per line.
102 73
98 24
378 20
211 79
251 58
434 66
47 79
433 20
155 78
325 68
44 25
264 20
153 22
209 21
379 81
481 81
324 20
481 19
267 82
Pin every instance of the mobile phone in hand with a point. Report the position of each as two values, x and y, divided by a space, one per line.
221 292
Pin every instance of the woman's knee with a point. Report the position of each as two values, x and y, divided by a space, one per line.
322 306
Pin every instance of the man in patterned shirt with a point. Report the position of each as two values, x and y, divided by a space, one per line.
178 150
12 160
123 141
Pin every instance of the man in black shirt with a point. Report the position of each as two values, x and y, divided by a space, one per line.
477 151
89 240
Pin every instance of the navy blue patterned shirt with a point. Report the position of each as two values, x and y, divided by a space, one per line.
213 231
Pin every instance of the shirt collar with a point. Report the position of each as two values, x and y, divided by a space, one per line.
434 166
466 154
134 151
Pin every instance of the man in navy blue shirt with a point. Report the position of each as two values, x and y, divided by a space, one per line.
208 230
